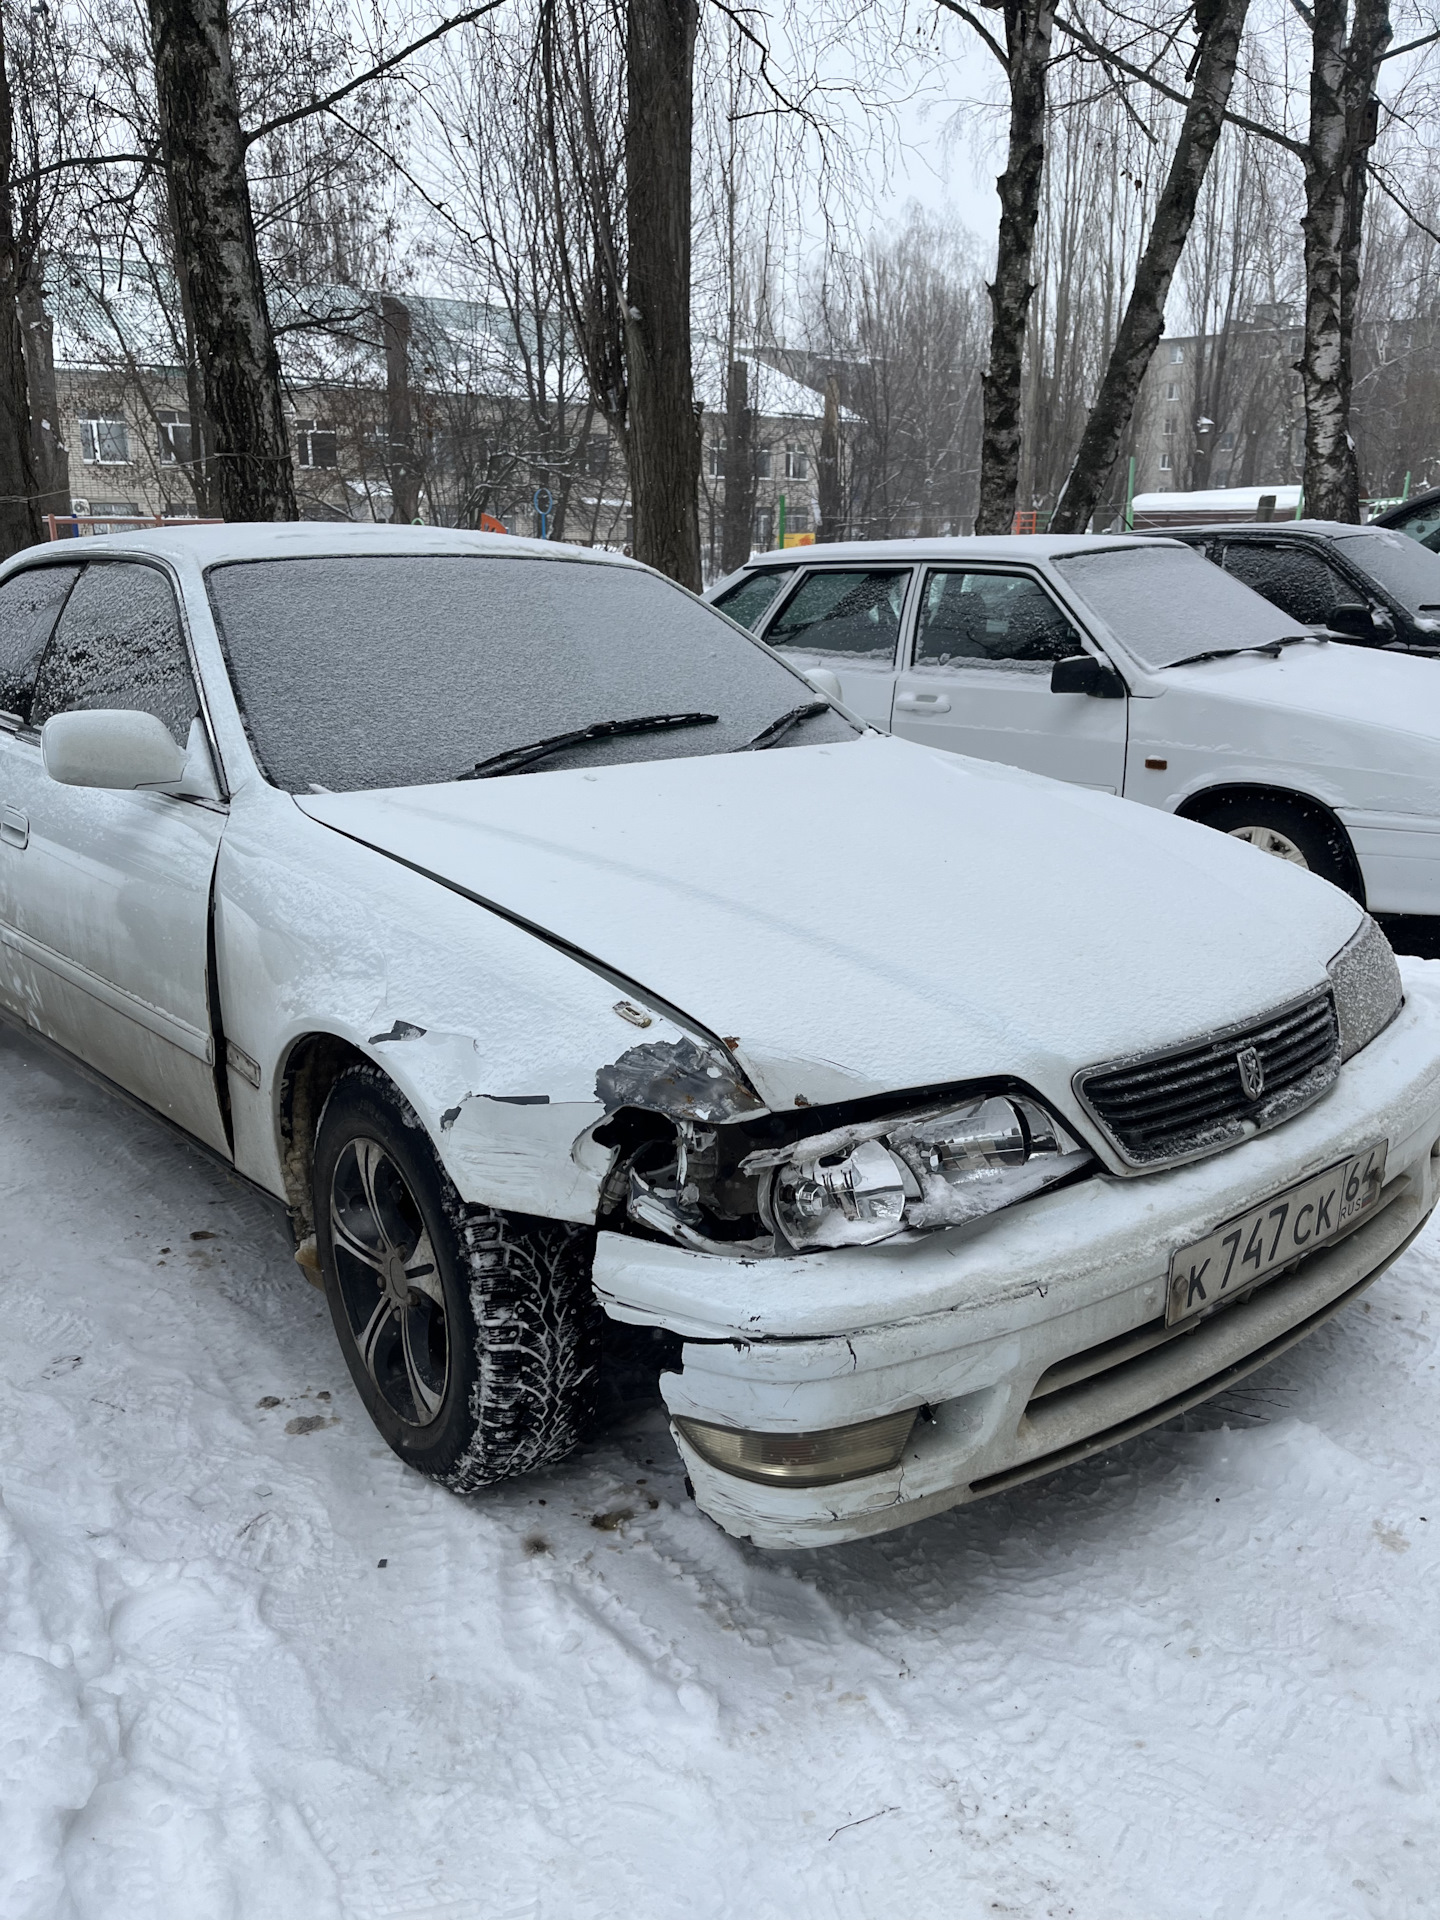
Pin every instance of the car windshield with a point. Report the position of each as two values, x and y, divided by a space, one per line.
402 670
1402 566
1166 604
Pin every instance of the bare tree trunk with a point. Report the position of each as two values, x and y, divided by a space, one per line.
1342 127
662 427
1029 26
738 525
1221 23
247 456
51 461
19 487
399 418
827 468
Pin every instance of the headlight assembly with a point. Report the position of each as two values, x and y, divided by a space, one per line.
1368 994
941 1168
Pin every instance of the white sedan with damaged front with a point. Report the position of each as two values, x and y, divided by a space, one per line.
552 949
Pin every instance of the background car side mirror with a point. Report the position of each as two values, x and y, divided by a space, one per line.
1083 673
1352 618
824 681
111 747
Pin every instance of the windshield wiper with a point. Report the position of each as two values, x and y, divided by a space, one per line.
776 731
1271 647
513 758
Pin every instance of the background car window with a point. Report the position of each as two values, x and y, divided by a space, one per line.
1403 567
851 613
1301 584
394 671
29 603
119 644
1421 522
991 619
747 602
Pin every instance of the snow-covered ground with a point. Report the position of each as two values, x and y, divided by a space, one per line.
253 1669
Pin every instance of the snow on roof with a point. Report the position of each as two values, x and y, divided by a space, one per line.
772 393
994 546
208 544
1241 501
125 315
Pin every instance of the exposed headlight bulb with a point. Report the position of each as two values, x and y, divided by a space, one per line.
841 1200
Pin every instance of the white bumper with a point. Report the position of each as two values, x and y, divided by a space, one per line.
1399 856
965 1323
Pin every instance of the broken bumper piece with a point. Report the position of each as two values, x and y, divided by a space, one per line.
973 1359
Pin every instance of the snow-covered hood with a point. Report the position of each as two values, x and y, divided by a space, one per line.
1369 718
872 915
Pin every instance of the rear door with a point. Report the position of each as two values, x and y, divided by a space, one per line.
107 901
978 680
849 620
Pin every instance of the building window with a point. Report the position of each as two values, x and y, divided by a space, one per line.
717 457
1177 356
1164 463
1227 443
314 443
104 442
762 463
797 463
173 430
1169 426
595 454
1172 392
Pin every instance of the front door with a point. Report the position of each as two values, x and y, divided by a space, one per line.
978 680
106 895
847 619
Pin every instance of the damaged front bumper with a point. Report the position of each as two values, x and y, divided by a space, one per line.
1031 1338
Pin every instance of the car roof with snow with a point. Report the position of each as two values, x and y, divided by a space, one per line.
210 545
995 546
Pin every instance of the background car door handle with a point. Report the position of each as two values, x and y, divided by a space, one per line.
923 702
14 827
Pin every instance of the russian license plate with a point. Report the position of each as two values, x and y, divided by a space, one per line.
1280 1230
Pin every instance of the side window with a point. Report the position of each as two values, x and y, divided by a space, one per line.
1422 523
747 602
29 603
1299 583
852 614
991 620
119 644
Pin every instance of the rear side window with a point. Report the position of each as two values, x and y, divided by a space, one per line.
119 644
1299 583
748 602
29 604
845 614
991 620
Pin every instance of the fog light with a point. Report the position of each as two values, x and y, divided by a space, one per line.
803 1459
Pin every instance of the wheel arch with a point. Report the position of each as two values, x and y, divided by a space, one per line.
1196 806
309 1070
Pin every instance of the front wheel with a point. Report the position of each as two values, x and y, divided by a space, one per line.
472 1336
1288 831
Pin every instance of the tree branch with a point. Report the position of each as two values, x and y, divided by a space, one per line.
393 60
964 13
1093 47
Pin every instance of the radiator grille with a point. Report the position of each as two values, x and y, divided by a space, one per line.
1193 1100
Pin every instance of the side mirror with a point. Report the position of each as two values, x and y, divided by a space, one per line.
1083 673
1352 618
112 747
824 682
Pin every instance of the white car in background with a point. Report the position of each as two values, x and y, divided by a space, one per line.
1134 667
549 948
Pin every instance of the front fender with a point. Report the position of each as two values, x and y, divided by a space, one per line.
493 1036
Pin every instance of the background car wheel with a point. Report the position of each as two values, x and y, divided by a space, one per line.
472 1336
1290 831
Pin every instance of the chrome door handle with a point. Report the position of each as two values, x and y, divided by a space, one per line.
14 827
923 702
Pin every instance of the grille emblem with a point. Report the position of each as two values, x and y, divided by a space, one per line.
1252 1072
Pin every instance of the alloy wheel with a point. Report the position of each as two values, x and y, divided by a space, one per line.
1271 840
389 1282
